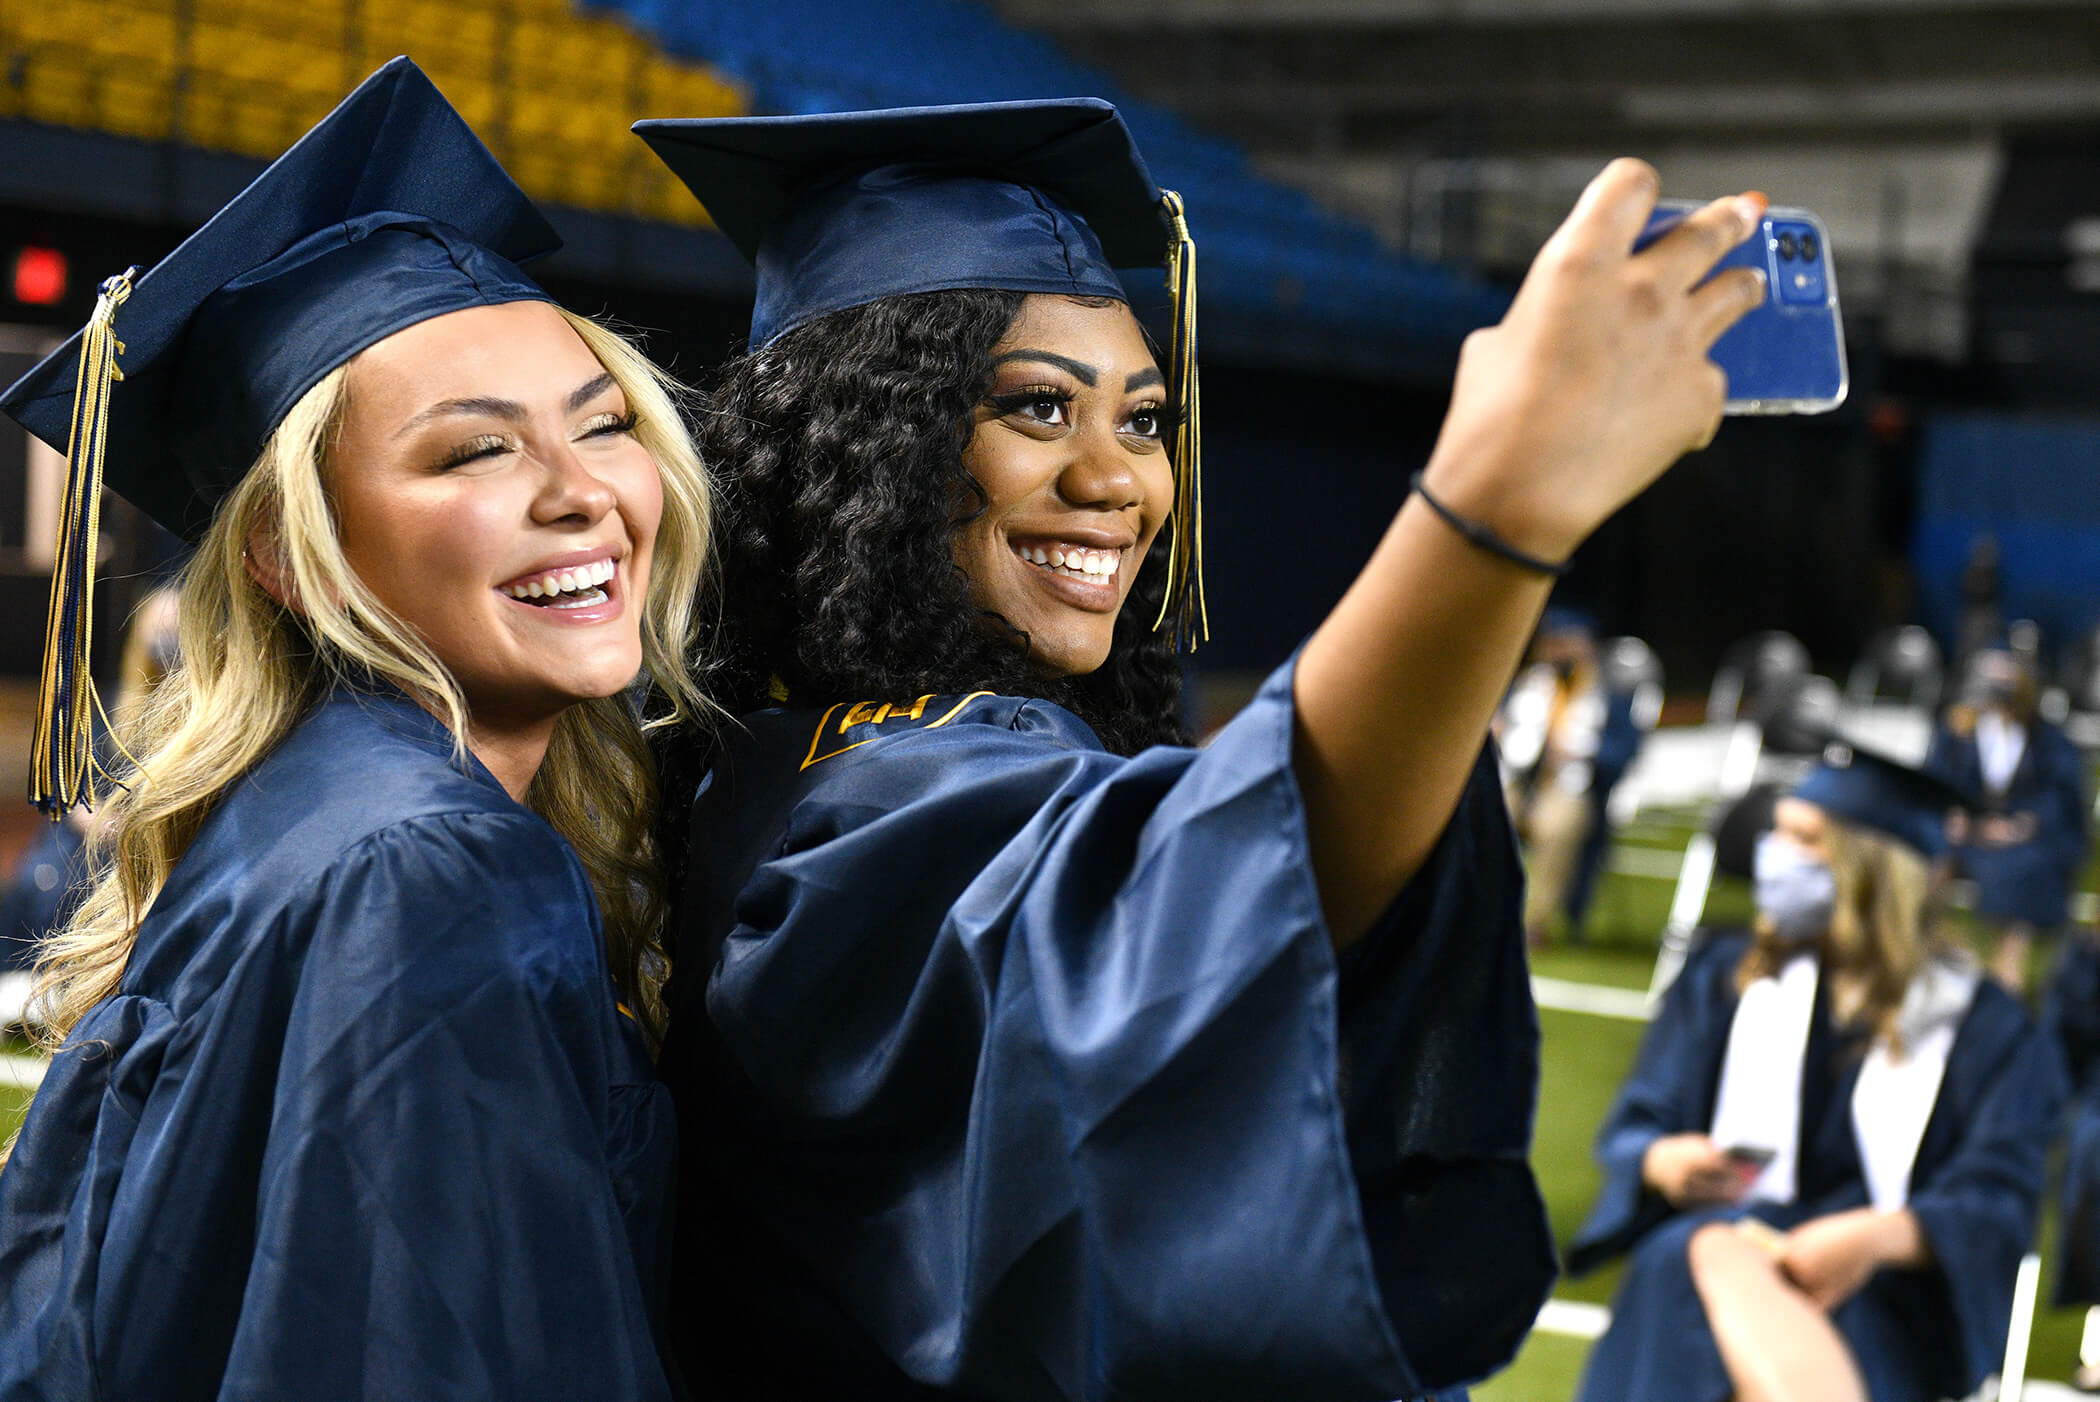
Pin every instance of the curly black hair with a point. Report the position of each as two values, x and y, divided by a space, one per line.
838 455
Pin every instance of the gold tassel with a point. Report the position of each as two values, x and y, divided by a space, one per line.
63 752
1184 599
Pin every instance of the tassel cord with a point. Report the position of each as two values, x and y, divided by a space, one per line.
66 701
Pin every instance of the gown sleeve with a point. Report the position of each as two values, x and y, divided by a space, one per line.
436 1215
1050 1084
1978 1205
1669 1091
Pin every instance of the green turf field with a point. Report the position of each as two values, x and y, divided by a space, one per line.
12 1102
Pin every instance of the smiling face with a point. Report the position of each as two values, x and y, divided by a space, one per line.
1069 447
490 491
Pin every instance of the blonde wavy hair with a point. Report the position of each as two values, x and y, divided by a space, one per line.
1884 928
251 668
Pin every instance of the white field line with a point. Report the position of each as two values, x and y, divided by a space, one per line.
1598 999
1572 1319
21 1072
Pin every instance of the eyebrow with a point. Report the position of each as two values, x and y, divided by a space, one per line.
1077 369
1144 379
505 408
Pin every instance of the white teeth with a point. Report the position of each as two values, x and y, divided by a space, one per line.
583 578
1097 565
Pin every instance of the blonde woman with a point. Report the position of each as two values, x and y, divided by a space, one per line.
1827 1161
353 1098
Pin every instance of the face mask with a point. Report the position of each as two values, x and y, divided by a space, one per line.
1796 892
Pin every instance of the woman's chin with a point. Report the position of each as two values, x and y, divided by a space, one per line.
1069 661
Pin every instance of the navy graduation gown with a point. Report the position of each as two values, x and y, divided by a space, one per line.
2071 1016
1918 1335
2029 881
364 1120
1009 1068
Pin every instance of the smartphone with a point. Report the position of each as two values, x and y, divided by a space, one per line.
1788 355
1750 1155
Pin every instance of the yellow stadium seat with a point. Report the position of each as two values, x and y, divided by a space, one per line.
552 89
28 25
56 89
132 104
138 38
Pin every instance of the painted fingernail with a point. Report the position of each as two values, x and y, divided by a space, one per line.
1752 204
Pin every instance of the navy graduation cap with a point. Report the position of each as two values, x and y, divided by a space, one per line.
1872 791
387 213
840 210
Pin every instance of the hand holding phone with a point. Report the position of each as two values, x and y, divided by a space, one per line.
1786 356
1748 1161
1690 1170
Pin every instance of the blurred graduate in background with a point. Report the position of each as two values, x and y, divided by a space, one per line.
2022 837
1566 740
1827 1161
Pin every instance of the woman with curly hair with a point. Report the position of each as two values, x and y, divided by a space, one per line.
1827 1162
351 1096
1021 1051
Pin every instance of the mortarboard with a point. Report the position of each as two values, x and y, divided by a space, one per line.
387 213
1872 791
840 210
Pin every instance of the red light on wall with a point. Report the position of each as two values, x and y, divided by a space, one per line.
40 276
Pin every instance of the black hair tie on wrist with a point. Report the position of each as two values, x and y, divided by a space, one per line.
1481 537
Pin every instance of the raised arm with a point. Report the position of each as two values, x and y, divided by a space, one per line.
1593 384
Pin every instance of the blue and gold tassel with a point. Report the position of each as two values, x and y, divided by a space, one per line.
63 749
1184 601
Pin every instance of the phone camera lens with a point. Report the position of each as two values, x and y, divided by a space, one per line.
1808 247
1786 245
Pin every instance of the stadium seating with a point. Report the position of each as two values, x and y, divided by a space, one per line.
1758 667
551 91
1901 665
1279 273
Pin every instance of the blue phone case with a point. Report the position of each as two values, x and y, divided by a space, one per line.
1788 355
